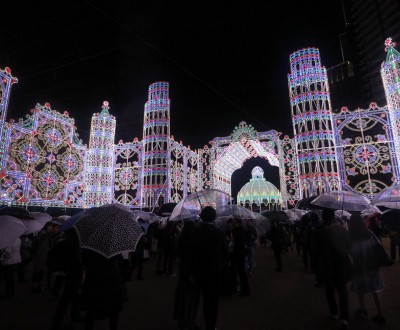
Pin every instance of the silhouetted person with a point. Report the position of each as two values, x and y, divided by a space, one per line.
333 242
279 241
239 237
207 255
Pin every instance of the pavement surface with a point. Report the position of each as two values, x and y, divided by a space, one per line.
287 300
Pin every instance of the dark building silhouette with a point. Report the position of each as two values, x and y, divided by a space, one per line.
356 82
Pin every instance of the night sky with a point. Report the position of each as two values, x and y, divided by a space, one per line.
226 61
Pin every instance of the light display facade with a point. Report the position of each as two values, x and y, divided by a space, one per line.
99 160
312 124
155 158
43 161
390 72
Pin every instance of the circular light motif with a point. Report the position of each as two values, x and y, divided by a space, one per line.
49 180
126 176
54 137
70 163
366 154
30 153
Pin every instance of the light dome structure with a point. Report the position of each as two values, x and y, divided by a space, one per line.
259 190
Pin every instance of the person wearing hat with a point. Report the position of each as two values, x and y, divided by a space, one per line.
207 257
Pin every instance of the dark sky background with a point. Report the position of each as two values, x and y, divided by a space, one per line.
226 61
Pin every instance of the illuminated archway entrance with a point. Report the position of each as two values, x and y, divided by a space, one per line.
229 154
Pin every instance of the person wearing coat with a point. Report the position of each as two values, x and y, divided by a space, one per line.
333 243
11 259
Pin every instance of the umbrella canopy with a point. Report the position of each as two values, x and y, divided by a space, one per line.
261 223
389 197
35 224
17 212
148 217
192 205
342 200
295 214
235 211
305 203
69 223
11 228
166 209
279 215
108 230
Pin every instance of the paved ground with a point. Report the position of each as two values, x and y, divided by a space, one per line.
287 300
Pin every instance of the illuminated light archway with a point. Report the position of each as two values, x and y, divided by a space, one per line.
230 153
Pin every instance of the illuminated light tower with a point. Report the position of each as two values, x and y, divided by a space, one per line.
390 72
6 82
155 158
99 159
315 149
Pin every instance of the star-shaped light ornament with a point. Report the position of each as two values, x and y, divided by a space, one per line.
389 43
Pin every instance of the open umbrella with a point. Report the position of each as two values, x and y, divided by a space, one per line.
261 223
17 212
192 204
305 203
342 200
295 214
148 217
166 209
234 211
278 215
108 230
388 197
38 221
11 228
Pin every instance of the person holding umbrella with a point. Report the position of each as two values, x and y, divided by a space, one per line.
11 258
207 256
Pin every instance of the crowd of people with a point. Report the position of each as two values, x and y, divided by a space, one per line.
208 262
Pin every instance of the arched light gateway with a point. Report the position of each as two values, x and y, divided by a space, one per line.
244 143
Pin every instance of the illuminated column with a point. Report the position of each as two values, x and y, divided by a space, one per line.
99 159
6 81
315 149
390 72
155 158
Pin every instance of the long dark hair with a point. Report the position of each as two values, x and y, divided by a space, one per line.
357 228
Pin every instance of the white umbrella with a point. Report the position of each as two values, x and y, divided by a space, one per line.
149 217
37 223
235 211
388 197
191 206
11 228
342 200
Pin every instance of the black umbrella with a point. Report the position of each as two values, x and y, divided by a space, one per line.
108 230
278 215
305 203
166 209
16 211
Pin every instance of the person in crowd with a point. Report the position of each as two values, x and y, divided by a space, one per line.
187 294
67 252
207 256
26 257
333 242
279 241
155 231
42 243
11 257
251 242
103 290
230 281
168 243
239 235
394 235
367 275
304 242
314 224
138 257
375 226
